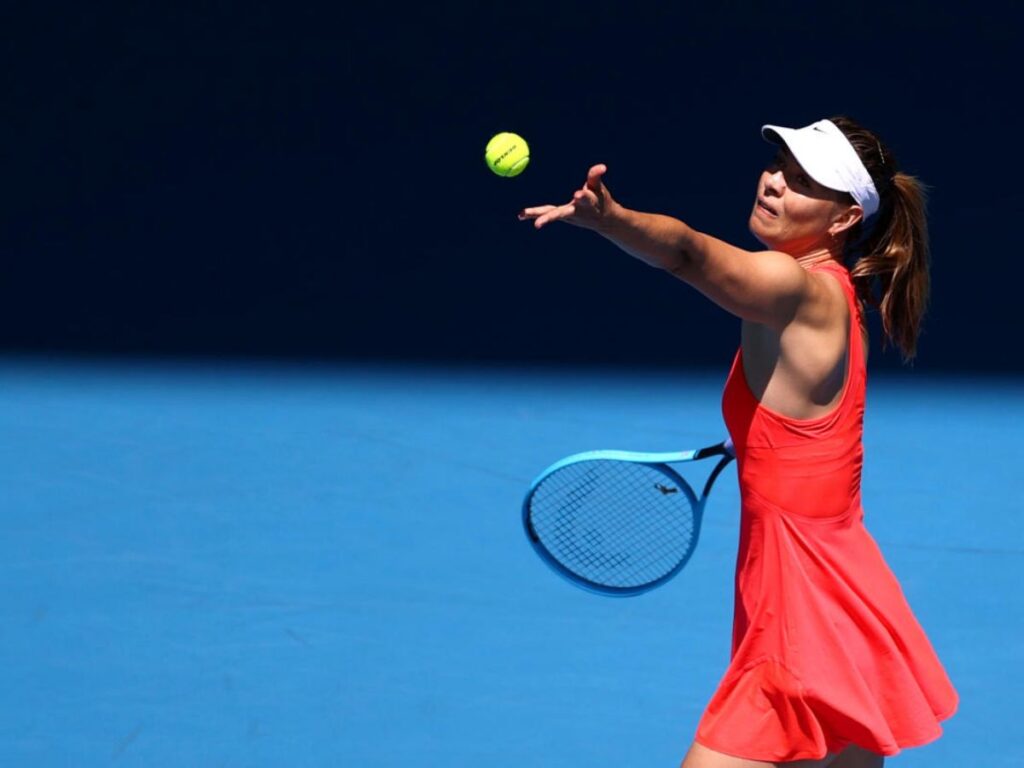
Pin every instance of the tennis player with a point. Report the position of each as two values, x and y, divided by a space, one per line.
829 665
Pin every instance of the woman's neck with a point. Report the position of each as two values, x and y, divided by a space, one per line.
816 253
816 256
811 252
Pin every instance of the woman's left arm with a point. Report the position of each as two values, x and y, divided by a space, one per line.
765 287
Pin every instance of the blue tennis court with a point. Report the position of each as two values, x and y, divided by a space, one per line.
267 565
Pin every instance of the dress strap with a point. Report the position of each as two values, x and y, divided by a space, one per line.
856 360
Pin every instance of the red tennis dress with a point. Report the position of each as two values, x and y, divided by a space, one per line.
826 652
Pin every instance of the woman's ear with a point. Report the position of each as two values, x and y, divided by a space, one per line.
846 219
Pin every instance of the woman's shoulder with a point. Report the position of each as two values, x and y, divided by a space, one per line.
829 291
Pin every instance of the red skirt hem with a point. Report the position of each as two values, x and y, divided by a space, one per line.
785 756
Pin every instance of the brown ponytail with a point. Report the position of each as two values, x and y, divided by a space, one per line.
890 251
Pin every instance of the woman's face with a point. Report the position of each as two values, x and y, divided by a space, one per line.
792 212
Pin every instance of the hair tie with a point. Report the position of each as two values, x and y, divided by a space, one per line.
890 175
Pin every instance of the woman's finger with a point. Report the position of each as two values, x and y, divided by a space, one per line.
561 212
587 196
534 212
546 218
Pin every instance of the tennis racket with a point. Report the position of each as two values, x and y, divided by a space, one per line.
618 522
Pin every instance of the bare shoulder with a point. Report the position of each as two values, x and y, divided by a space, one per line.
764 287
824 303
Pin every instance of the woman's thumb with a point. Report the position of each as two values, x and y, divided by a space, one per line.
594 176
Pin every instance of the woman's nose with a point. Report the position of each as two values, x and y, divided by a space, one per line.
774 182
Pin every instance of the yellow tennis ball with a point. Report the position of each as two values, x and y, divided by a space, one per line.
507 154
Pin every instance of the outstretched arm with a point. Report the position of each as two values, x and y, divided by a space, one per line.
765 287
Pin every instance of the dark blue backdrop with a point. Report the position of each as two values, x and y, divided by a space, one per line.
264 180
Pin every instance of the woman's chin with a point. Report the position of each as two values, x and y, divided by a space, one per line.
760 235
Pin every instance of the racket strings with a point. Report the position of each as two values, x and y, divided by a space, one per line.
615 524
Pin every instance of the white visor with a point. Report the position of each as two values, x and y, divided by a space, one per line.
829 158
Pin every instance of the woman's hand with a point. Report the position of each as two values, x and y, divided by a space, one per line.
590 206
